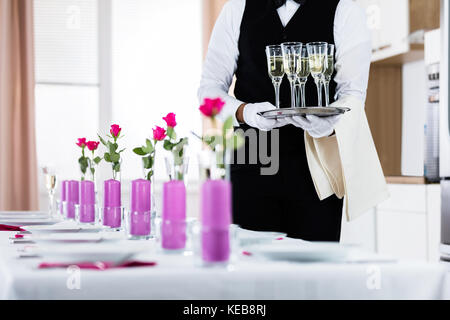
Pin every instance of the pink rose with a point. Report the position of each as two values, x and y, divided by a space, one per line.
81 142
92 145
170 120
115 130
159 133
212 107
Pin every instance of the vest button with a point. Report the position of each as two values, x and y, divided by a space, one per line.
284 36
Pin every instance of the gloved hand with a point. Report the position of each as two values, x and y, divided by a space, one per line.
317 127
254 120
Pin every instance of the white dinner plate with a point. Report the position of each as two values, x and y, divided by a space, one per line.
24 221
63 227
77 253
249 237
301 252
22 213
63 238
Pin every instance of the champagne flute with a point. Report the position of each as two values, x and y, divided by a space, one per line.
317 53
291 58
276 69
328 72
303 74
50 183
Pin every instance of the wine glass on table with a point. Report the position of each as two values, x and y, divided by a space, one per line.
302 76
276 69
291 59
328 72
317 52
50 183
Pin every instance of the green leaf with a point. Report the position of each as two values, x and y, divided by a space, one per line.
102 141
112 147
171 133
122 150
150 175
84 164
115 157
97 160
116 167
140 152
168 145
228 125
148 147
148 162
107 157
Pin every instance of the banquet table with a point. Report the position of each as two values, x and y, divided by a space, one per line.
247 277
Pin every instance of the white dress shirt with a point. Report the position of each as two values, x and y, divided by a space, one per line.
353 52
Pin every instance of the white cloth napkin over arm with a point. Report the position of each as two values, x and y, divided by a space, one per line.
347 163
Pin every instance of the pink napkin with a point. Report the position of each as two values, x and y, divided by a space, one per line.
98 265
4 227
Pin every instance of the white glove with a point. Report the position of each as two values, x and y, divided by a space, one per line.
253 119
317 127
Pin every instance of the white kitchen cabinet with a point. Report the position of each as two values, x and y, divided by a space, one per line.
402 234
389 22
406 226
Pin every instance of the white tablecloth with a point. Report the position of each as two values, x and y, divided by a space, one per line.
177 277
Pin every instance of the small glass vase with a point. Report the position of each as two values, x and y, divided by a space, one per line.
117 175
149 174
177 165
93 178
214 165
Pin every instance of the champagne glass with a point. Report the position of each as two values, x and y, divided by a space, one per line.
291 59
317 53
328 72
302 75
276 69
50 183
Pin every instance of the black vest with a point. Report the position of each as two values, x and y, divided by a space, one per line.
261 26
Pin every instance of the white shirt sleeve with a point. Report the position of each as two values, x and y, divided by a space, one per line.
353 50
221 60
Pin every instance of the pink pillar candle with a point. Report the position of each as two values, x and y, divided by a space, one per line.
173 229
87 202
216 220
140 215
72 198
112 202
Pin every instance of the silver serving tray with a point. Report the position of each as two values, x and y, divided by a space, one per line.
316 111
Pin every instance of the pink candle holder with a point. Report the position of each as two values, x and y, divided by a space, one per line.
173 228
140 218
86 211
112 211
216 220
72 199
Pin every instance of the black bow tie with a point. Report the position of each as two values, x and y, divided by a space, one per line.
279 3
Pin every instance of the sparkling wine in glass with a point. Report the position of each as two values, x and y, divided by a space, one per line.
276 69
302 76
317 53
50 183
291 58
328 72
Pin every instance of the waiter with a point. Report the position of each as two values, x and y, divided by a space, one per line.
287 201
